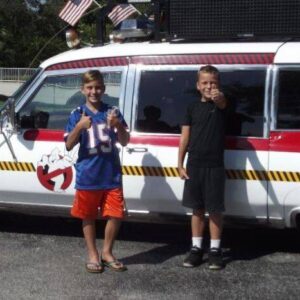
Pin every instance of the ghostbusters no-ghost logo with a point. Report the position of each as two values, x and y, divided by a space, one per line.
54 171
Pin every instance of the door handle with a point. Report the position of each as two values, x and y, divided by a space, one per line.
136 149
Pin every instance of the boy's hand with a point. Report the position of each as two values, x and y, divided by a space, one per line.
85 121
216 94
218 97
113 120
113 117
182 173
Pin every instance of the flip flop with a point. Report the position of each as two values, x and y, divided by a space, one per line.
114 265
93 267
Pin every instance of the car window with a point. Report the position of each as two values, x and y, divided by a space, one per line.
288 107
163 97
162 100
58 95
245 91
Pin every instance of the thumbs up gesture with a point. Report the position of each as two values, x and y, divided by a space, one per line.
216 94
112 116
85 121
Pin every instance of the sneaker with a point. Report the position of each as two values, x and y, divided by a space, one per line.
194 258
215 260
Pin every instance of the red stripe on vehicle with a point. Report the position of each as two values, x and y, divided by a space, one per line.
247 59
285 141
218 59
238 58
44 135
232 143
279 140
89 63
156 140
242 143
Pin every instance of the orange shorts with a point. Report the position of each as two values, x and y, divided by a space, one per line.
87 203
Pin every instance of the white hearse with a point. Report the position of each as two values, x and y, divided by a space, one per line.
152 83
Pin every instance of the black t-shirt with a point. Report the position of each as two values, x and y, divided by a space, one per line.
207 135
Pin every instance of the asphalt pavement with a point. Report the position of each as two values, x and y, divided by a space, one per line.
43 258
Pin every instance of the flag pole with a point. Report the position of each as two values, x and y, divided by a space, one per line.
99 5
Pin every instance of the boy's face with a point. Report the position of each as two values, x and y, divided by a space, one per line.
206 83
93 91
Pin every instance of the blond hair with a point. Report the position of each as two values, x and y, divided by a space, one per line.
92 75
209 69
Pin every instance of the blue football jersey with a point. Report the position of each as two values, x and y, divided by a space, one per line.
98 165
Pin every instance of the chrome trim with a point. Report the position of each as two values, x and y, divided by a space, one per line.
275 91
267 102
136 215
129 91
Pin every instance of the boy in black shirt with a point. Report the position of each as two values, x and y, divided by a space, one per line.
203 136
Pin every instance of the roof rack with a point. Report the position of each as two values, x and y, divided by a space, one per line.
215 20
158 8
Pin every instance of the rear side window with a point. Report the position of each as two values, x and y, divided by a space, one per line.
162 100
52 103
288 106
245 91
164 95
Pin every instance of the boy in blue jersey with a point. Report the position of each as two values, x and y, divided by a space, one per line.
98 170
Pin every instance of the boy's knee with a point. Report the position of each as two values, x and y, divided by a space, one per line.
199 213
216 217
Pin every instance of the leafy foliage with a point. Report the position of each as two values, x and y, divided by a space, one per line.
25 30
31 31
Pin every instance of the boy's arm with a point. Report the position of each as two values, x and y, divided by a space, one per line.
120 125
73 136
123 134
183 144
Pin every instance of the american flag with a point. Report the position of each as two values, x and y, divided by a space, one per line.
73 10
121 12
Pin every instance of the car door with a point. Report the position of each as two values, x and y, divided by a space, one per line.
150 176
247 140
43 173
284 166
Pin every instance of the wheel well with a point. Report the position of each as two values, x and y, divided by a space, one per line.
297 220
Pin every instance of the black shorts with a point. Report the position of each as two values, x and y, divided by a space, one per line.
205 189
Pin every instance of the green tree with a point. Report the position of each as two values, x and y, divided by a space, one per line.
24 31
31 30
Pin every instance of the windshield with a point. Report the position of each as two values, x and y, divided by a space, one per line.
19 92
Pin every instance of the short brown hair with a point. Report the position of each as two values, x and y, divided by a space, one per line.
92 75
209 69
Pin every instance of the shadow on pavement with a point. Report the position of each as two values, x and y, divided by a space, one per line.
156 255
250 243
238 244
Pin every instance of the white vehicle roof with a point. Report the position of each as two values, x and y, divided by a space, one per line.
285 52
288 53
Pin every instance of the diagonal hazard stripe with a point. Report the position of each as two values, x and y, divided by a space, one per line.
231 174
17 166
263 175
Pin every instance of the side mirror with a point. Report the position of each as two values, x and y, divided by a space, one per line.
9 116
11 113
38 119
27 122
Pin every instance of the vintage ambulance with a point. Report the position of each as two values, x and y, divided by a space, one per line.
152 83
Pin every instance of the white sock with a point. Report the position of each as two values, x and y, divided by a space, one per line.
197 242
215 243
